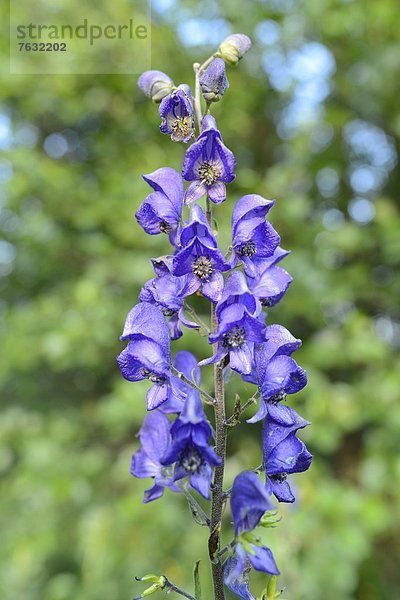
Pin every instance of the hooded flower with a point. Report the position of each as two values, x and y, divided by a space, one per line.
177 117
199 256
239 583
269 282
155 439
252 236
208 164
190 449
147 355
274 371
213 81
239 327
236 291
283 452
161 211
186 363
250 499
168 293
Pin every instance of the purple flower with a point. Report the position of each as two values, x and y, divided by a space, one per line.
239 327
236 291
269 282
155 439
177 117
209 164
250 499
147 355
168 293
252 236
239 583
190 449
161 211
200 257
213 81
155 85
275 372
283 452
186 363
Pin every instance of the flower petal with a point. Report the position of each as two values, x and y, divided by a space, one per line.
263 560
170 183
249 501
217 192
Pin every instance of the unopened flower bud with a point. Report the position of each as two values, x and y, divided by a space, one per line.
234 47
213 81
158 582
155 85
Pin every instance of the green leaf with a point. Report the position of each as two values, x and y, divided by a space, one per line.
197 584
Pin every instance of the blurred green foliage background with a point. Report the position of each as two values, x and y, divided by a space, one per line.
313 117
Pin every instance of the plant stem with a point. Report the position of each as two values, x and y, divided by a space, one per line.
173 588
233 420
217 496
208 399
198 70
197 99
196 318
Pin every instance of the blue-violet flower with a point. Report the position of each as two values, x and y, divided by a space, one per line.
155 440
190 449
147 355
250 499
161 211
177 116
274 371
283 452
213 82
200 257
208 164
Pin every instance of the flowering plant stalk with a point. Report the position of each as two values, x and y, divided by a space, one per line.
180 449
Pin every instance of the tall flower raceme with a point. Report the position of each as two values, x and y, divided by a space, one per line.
180 449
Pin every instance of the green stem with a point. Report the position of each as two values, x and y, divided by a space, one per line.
198 70
207 398
206 63
197 98
233 420
173 588
196 318
217 496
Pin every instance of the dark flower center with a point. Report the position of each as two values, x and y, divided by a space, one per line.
266 301
165 227
182 127
279 477
153 377
202 267
235 338
209 173
276 398
168 312
191 460
247 249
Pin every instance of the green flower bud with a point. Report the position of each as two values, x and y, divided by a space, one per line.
158 581
234 47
